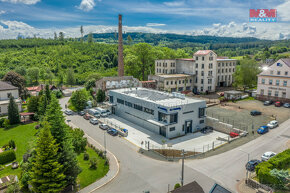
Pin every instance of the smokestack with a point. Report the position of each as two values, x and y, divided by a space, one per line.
120 49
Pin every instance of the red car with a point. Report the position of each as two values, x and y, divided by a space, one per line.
87 116
278 104
233 134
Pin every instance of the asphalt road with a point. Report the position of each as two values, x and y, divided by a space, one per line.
139 173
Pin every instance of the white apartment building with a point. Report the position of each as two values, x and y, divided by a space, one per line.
206 70
274 82
7 90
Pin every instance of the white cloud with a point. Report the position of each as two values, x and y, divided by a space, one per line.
174 3
87 5
283 11
2 12
155 24
28 2
272 31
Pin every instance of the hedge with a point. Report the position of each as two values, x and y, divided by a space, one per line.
280 161
7 156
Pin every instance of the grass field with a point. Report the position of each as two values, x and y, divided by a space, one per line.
23 135
89 176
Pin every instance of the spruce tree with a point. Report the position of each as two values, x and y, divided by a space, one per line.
46 173
42 104
13 113
60 131
47 93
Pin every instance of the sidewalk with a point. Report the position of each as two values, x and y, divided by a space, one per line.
113 169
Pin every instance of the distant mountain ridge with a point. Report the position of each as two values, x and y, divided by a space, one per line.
153 38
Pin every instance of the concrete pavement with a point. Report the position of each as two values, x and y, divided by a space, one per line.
139 173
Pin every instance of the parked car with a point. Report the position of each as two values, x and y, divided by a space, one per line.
250 166
267 155
82 113
267 103
68 112
273 124
104 114
254 113
108 112
112 132
233 134
263 130
104 126
286 105
94 121
87 116
207 129
97 115
278 104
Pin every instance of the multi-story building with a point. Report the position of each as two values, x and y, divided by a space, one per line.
170 115
116 82
274 82
205 71
6 91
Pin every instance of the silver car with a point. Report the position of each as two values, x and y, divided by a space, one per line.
104 126
94 121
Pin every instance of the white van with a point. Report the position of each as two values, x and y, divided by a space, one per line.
102 111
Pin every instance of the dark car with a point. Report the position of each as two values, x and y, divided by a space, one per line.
286 105
250 166
82 113
112 132
254 113
207 129
278 104
267 103
263 130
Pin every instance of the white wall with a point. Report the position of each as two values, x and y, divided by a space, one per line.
4 94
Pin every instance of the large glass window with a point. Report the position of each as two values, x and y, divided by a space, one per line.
138 107
201 112
173 118
120 101
111 99
162 117
150 111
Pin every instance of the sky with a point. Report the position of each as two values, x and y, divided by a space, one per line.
228 18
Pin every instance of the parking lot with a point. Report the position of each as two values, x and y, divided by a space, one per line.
196 142
238 114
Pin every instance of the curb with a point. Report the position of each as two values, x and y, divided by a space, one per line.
118 166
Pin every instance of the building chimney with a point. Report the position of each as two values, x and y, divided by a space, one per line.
120 49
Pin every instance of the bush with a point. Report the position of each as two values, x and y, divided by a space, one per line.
2 122
25 179
6 123
12 144
176 186
7 156
86 156
93 162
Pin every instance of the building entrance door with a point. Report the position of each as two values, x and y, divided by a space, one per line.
113 110
162 131
188 126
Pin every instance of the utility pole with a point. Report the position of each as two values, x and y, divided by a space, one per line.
105 152
247 173
182 168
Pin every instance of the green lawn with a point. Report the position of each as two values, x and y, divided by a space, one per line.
88 176
23 135
237 57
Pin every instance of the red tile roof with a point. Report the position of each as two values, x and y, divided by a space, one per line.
202 52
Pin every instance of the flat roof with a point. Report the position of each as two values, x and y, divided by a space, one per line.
173 75
158 97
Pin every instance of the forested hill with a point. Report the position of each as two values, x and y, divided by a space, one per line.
156 38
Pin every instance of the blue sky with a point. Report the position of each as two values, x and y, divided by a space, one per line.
195 17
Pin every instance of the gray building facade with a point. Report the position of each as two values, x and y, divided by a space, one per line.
168 114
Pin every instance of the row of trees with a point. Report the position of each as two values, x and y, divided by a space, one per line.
55 152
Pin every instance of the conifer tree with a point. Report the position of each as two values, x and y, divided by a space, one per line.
59 130
42 104
47 93
13 113
46 173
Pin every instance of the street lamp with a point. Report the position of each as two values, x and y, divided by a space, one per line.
182 167
247 173
105 152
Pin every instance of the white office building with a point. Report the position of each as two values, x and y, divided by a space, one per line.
170 115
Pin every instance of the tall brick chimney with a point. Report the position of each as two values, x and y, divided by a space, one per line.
120 49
